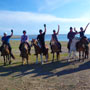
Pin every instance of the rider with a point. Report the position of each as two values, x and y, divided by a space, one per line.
82 36
54 37
5 40
82 31
41 39
70 36
24 39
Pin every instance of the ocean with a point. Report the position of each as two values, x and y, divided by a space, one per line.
61 37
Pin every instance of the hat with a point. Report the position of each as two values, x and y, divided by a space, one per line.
71 28
24 31
5 32
40 30
81 28
54 31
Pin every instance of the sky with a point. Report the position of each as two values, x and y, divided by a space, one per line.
30 15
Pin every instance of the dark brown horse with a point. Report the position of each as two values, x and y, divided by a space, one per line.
24 52
55 49
6 54
38 51
82 48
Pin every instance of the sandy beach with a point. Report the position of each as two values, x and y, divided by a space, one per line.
59 75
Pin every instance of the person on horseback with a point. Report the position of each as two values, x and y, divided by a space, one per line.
82 36
54 38
41 39
5 40
70 36
24 39
82 31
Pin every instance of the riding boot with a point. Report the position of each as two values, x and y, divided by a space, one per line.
29 52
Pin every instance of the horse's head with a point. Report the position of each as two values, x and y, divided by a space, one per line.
24 46
75 40
24 50
33 42
5 49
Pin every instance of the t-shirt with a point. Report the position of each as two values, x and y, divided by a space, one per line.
71 35
54 36
24 38
41 38
82 33
6 39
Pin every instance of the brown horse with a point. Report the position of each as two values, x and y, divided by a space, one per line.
55 49
82 48
6 54
24 52
38 51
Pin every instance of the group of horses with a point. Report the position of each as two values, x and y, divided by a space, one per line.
76 45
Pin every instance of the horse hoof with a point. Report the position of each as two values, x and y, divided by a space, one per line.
10 62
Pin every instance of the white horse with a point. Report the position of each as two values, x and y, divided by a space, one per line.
73 48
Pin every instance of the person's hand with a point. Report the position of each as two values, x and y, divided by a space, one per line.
44 25
12 30
74 28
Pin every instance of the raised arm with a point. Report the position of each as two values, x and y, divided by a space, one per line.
86 27
75 29
58 30
44 28
11 32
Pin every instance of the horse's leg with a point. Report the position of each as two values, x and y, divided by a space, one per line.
83 56
74 55
9 58
79 55
4 60
27 59
36 59
41 58
53 57
46 57
69 56
57 55
22 60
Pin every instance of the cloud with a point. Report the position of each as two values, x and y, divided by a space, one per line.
25 17
34 21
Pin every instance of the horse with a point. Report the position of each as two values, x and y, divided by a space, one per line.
78 44
38 50
5 52
24 52
55 49
82 47
72 48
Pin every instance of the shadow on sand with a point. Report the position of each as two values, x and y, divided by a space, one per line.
45 70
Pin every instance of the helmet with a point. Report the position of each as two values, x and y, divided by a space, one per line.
71 28
54 31
24 31
5 33
81 28
40 30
